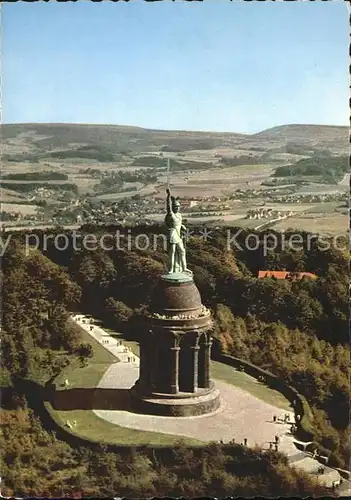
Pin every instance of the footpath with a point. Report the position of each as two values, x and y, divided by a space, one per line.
114 346
128 370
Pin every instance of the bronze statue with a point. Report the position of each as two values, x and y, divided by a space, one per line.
173 220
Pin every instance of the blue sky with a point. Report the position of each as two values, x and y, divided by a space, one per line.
212 65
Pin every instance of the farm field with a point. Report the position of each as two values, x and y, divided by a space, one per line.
316 223
10 196
144 191
222 219
49 182
323 188
21 208
293 207
83 182
218 181
29 148
325 208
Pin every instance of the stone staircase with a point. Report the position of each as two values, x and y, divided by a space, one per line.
305 461
344 490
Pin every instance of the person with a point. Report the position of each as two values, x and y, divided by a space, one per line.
174 223
274 418
245 441
276 446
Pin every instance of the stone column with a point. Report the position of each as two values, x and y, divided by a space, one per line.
194 384
143 369
174 378
206 361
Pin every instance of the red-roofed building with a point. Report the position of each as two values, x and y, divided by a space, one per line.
283 275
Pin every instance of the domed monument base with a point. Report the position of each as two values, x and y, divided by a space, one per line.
175 353
180 405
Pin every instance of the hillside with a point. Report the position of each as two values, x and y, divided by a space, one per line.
315 135
20 138
38 139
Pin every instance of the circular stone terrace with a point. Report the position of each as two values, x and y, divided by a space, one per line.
240 415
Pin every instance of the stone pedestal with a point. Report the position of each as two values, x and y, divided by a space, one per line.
175 353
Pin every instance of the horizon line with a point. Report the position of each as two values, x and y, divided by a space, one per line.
175 130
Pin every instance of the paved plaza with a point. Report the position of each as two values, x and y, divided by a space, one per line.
240 417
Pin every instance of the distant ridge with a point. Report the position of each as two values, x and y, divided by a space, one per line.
293 127
43 137
108 126
306 132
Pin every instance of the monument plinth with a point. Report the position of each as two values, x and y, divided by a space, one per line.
175 353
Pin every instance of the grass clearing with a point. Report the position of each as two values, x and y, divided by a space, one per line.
324 208
80 376
90 375
92 427
249 223
331 224
249 384
24 209
100 354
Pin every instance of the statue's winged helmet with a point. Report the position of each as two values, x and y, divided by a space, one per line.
175 201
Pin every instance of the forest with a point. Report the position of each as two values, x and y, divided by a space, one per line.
237 161
37 176
90 152
118 178
31 186
87 152
296 329
327 167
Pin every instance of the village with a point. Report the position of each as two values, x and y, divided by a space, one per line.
135 209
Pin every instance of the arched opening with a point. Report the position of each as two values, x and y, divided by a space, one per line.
188 363
163 369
